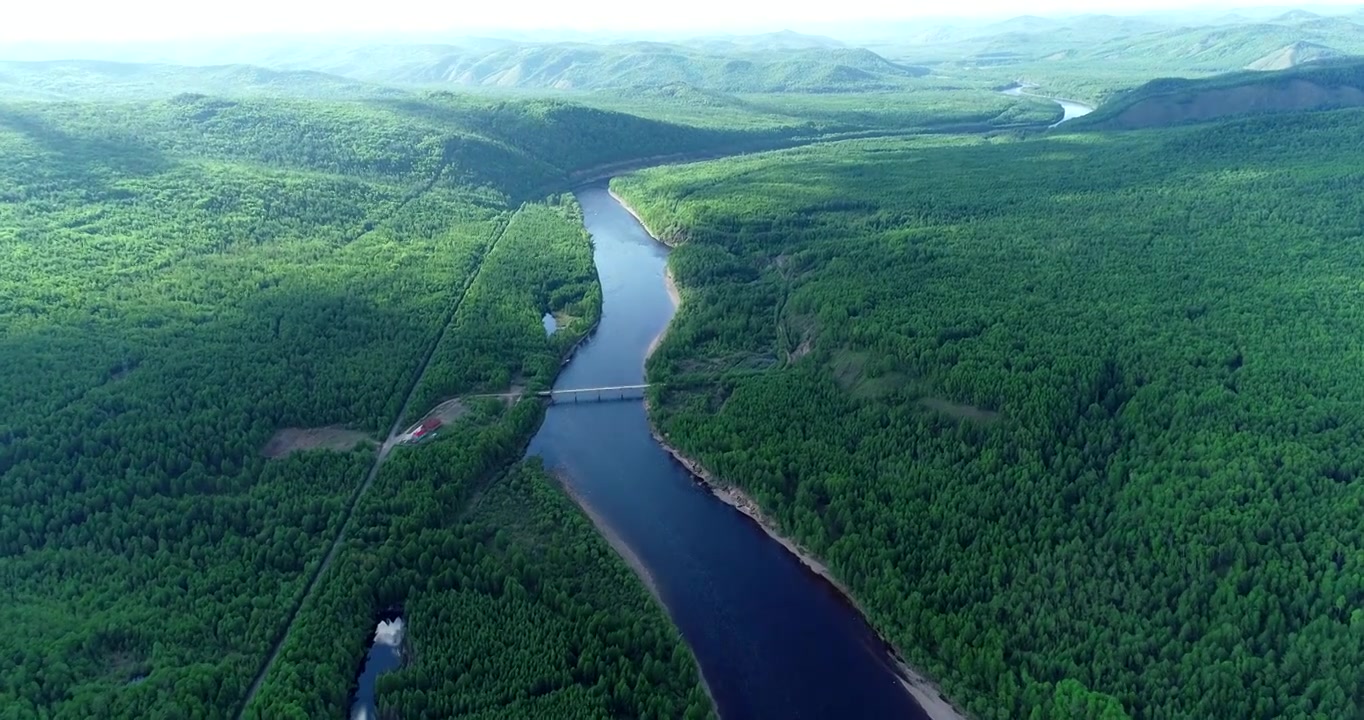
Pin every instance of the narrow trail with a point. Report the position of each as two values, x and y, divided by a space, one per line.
389 443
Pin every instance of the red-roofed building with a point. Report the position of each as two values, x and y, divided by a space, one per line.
427 427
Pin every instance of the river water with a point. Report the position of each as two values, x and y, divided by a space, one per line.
1069 108
773 639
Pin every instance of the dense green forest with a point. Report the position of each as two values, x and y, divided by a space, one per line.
186 278
515 607
1077 419
164 316
1075 416
562 629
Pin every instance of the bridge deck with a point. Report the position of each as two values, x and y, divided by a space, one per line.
608 388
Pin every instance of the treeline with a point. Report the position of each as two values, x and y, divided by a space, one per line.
1077 419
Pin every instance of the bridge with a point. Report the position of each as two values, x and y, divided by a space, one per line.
597 394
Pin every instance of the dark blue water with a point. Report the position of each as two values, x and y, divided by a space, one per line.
384 654
773 639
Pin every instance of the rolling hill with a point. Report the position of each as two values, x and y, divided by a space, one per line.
1226 48
1291 56
1175 101
575 66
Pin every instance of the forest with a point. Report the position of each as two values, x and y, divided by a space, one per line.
1079 426
186 278
1075 415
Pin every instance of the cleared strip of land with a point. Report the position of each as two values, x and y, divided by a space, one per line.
379 459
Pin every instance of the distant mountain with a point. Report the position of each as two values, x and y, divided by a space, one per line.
783 40
1327 26
1109 27
1020 24
1296 16
1173 101
1227 48
1294 55
95 79
574 66
680 93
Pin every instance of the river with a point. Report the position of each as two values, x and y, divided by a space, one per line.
773 639
1070 109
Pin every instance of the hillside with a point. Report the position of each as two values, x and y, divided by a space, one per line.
1291 56
1094 57
1219 49
1174 101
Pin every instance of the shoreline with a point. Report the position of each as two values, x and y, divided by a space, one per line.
632 561
610 536
676 297
924 691
647 229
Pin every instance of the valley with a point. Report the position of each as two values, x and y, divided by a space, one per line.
959 399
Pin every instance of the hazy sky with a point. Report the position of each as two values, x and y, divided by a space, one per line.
166 19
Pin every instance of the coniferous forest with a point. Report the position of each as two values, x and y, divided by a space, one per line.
1074 414
184 279
1079 424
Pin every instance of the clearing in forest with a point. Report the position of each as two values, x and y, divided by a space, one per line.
850 371
960 411
291 440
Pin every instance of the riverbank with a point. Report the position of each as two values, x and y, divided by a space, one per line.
612 537
675 296
652 233
632 561
925 692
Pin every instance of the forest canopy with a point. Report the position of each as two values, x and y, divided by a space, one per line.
1078 425
185 279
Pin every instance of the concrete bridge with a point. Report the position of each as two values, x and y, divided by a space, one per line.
597 394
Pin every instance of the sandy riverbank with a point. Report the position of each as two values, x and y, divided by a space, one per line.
657 238
676 297
612 538
924 691
632 560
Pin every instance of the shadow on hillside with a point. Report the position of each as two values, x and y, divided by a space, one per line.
121 154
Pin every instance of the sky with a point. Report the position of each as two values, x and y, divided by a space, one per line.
123 20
